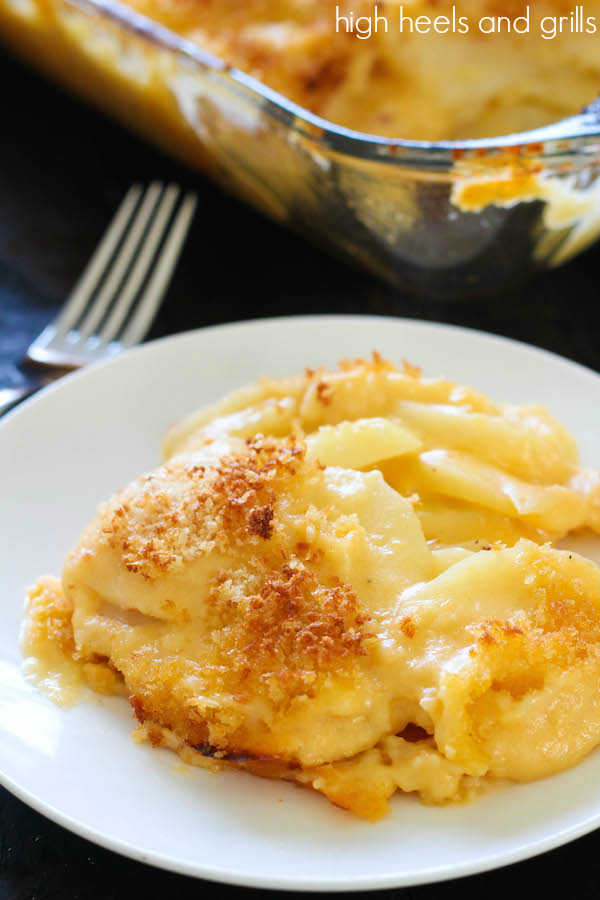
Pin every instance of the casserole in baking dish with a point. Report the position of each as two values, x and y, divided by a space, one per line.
439 216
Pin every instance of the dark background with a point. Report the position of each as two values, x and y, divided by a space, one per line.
63 171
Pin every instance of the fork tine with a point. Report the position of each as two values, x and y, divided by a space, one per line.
122 261
91 275
150 300
135 279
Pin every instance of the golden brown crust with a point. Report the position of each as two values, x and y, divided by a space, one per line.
561 629
50 616
157 529
293 627
49 625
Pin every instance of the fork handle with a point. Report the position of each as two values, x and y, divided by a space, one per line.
9 397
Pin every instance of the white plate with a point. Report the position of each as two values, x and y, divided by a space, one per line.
75 443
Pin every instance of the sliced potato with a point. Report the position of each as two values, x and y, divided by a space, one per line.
355 445
526 441
451 522
554 508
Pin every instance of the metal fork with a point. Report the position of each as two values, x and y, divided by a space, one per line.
113 305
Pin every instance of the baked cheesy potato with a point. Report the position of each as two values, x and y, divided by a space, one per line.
347 580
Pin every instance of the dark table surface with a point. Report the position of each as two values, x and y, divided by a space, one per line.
63 170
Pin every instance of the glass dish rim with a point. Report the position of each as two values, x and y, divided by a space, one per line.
553 144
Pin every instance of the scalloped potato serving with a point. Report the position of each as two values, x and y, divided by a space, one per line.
346 580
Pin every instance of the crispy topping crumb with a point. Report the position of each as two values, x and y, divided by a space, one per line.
407 627
188 510
292 623
260 521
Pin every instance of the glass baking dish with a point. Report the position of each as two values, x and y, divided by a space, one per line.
447 219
